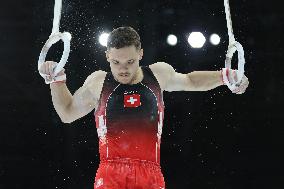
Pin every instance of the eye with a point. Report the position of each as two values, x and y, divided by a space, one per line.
115 62
130 61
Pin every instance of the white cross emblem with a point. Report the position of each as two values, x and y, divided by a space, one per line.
132 100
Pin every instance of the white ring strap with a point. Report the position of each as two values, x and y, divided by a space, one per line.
54 37
232 48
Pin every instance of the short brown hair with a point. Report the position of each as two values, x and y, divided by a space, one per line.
123 37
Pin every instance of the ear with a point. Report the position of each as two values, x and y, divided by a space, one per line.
141 54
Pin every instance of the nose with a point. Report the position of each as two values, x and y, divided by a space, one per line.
123 67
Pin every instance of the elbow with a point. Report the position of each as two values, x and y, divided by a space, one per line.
65 116
65 119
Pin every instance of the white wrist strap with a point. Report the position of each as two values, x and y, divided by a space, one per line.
49 80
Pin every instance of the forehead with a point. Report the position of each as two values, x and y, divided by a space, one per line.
123 53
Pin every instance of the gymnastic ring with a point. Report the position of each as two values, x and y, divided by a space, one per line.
54 38
236 46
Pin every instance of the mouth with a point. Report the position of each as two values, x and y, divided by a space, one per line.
124 75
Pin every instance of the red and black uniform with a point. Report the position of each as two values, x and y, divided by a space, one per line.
129 121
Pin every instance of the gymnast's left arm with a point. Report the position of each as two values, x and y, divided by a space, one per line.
170 80
194 81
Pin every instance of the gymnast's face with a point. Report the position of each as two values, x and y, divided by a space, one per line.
124 63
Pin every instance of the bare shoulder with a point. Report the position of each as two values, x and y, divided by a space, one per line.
94 82
163 72
96 77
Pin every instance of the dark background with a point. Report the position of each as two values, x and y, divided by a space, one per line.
212 139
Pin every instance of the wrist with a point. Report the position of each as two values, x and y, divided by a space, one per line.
59 82
57 79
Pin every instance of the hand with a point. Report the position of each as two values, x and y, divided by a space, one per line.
46 70
230 76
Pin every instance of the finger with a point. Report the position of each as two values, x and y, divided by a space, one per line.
46 64
51 69
54 65
47 78
241 89
48 68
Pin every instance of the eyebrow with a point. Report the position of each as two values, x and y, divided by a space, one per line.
118 61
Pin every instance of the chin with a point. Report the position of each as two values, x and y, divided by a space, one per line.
124 81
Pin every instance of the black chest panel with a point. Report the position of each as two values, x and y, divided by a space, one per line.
117 104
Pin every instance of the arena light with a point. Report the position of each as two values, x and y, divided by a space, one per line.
103 39
196 39
215 39
172 40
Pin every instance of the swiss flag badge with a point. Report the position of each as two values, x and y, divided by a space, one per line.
132 101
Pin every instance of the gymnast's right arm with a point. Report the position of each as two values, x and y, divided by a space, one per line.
72 107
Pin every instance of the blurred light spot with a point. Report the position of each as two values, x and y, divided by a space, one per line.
215 39
172 40
196 39
103 39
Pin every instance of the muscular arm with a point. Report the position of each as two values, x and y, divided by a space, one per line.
195 81
170 80
72 107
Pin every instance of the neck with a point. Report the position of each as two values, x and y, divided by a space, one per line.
138 76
